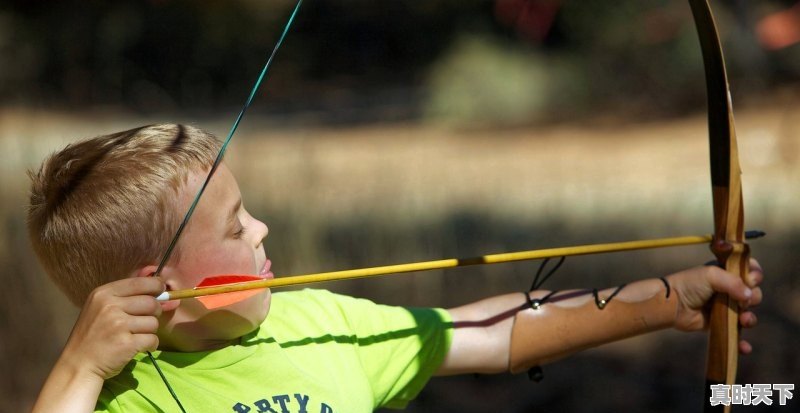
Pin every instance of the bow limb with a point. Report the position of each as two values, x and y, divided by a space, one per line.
728 246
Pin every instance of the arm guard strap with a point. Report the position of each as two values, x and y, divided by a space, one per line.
544 333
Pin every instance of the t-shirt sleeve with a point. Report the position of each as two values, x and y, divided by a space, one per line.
399 348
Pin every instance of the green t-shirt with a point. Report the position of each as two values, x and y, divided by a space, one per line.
317 352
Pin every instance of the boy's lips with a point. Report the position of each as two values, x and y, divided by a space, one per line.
265 272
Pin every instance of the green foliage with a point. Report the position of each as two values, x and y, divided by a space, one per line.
358 60
482 80
644 56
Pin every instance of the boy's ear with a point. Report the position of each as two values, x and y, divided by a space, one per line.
148 271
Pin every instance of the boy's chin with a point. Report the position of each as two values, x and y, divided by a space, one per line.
219 327
234 335
202 336
240 319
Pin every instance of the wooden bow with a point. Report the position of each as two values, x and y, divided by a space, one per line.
729 244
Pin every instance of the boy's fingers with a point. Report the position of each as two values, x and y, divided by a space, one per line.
747 319
145 342
756 274
755 265
142 305
745 347
143 324
138 286
758 295
755 277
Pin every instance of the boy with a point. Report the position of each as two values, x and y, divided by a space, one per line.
103 211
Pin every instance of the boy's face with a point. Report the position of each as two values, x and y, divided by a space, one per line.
221 238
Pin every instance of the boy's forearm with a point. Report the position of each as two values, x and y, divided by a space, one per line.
504 333
69 388
561 327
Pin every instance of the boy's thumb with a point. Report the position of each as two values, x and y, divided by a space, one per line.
725 282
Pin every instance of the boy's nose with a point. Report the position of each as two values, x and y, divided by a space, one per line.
261 231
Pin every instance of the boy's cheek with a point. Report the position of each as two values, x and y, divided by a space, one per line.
219 263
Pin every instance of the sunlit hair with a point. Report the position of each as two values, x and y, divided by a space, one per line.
103 207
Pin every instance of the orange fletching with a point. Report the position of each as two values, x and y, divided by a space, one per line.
215 280
222 300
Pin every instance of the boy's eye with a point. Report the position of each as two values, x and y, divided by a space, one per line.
238 234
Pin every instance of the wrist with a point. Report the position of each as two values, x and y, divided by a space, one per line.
72 386
75 370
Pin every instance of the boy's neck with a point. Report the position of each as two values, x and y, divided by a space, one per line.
192 346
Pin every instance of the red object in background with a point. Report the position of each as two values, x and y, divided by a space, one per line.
532 19
780 30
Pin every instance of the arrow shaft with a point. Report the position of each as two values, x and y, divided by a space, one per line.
439 264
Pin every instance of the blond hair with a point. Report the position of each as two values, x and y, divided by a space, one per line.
103 207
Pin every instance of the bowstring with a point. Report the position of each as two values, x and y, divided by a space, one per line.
213 169
224 146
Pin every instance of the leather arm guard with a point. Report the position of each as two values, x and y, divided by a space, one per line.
545 331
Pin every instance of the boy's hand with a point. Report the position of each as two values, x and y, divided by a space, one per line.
696 286
117 321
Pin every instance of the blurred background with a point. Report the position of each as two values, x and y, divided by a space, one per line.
399 131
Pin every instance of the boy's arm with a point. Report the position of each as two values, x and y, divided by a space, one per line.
118 321
503 333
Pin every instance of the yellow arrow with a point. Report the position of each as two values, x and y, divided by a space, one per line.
441 264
